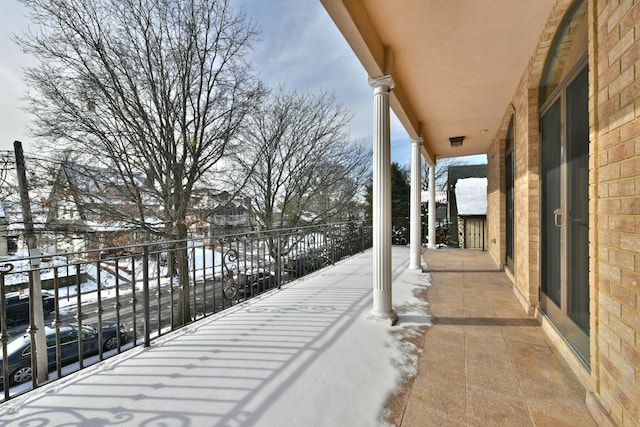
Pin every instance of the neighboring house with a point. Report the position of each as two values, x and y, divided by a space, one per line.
15 224
228 215
455 173
88 208
80 210
471 197
441 216
198 215
353 211
441 206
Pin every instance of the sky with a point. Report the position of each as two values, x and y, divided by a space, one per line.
299 46
304 355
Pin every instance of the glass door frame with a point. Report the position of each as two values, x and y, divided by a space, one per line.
509 165
558 314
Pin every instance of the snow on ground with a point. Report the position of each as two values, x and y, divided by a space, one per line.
305 355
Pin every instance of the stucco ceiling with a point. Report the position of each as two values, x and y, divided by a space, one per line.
455 63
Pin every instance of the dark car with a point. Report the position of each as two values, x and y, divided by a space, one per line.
18 307
19 348
304 264
254 282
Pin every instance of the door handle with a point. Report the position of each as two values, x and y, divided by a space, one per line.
558 215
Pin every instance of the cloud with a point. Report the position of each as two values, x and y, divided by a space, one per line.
299 46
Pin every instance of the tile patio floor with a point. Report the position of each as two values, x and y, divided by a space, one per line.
485 362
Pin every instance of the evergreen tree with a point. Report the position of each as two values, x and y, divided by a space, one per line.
400 192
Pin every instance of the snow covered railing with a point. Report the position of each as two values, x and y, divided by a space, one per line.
154 288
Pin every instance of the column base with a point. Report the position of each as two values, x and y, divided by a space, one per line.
389 318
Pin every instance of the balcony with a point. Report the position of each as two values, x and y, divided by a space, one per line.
306 354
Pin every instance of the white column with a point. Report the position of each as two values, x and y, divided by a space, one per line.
415 220
382 306
432 206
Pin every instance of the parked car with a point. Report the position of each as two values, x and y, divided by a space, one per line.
19 348
253 282
18 307
304 264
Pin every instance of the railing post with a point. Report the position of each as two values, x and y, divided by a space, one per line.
117 304
5 334
279 259
80 316
145 294
194 298
159 291
98 309
32 332
333 242
328 242
134 302
204 276
57 322
171 272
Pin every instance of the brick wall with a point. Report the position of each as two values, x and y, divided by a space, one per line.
526 179
496 192
615 205
614 104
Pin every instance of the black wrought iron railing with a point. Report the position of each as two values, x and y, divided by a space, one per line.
100 303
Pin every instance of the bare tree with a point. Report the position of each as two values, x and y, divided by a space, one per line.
7 165
442 165
40 174
153 88
150 88
297 160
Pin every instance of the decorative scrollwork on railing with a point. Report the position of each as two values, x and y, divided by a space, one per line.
230 260
229 265
5 268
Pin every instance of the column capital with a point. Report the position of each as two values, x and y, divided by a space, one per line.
382 83
417 141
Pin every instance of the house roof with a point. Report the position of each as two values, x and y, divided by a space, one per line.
441 197
456 172
471 196
455 64
94 184
13 213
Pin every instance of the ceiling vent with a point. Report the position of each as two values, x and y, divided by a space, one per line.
456 141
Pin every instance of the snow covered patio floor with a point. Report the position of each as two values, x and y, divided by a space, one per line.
307 355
